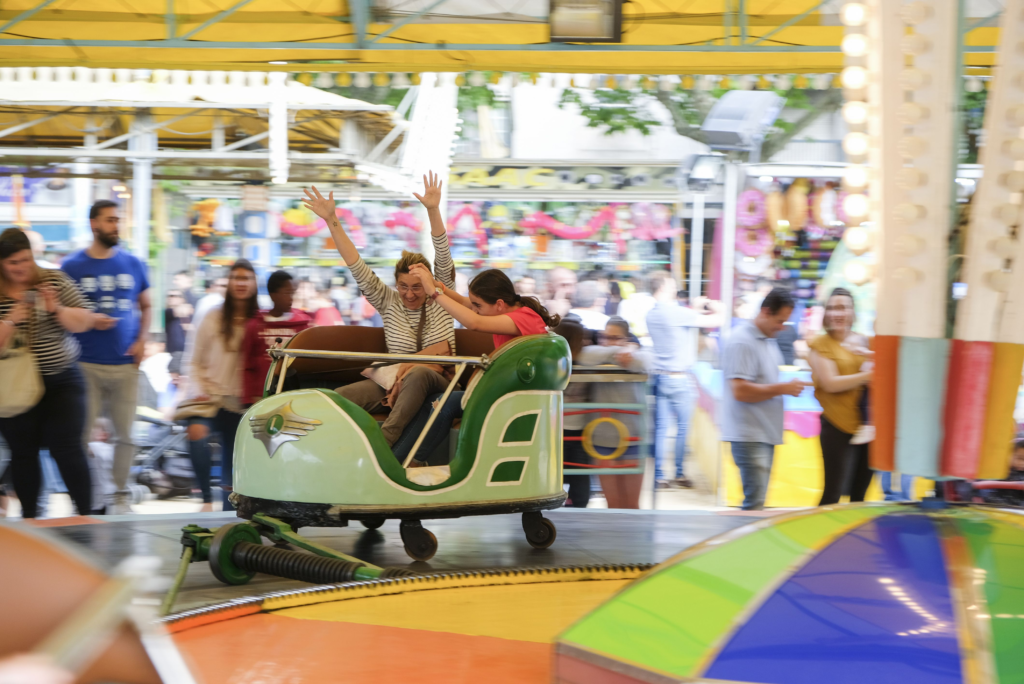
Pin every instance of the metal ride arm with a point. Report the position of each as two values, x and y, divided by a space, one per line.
279 531
433 414
285 357
218 546
482 361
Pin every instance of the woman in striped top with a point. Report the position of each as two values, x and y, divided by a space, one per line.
43 307
412 323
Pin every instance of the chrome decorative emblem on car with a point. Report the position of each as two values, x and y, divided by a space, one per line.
280 425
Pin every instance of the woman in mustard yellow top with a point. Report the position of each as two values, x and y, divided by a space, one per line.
841 370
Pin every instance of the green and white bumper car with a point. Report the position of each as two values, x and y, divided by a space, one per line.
310 457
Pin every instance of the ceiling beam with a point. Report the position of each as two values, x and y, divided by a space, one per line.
25 15
790 22
215 20
110 142
448 47
752 47
27 124
360 11
409 19
171 20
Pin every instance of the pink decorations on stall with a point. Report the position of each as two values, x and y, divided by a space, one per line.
750 209
753 243
402 219
653 222
302 223
469 215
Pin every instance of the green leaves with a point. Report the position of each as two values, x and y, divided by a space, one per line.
616 110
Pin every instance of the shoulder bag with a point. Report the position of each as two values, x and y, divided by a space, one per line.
19 376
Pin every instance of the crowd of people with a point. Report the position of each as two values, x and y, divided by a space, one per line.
87 327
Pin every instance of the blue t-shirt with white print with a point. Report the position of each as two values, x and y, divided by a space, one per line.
112 287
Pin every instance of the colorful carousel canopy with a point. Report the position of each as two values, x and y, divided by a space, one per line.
659 36
869 593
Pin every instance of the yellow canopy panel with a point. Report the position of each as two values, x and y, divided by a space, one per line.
659 36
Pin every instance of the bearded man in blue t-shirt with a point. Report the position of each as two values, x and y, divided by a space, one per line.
116 284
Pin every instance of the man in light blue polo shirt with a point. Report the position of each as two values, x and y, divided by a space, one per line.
672 329
752 404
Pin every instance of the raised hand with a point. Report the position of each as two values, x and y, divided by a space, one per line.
423 274
323 207
431 197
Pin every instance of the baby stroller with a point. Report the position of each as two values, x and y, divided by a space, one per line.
162 462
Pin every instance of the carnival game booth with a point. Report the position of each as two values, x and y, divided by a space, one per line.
797 475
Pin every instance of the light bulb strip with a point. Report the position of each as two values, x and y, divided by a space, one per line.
994 263
912 158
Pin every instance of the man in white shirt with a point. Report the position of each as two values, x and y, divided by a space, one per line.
589 306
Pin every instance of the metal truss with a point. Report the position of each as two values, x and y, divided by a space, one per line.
735 29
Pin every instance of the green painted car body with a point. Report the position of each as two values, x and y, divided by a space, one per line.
314 456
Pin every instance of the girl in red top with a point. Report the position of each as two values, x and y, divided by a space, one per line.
264 330
492 306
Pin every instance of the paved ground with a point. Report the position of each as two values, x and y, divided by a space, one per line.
584 537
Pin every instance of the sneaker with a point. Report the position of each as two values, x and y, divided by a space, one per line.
864 435
119 504
662 484
683 483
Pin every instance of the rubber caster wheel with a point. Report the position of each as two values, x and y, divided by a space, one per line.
540 531
221 547
372 523
420 543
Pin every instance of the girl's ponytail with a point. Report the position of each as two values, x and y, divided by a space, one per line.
492 285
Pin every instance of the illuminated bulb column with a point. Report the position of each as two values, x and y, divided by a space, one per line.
913 160
987 349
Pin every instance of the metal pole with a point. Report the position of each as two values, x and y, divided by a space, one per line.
142 188
81 233
696 246
732 171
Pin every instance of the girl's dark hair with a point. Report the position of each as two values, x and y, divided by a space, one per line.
250 307
492 285
572 331
12 241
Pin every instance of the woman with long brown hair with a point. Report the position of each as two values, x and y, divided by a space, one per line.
41 308
215 379
841 370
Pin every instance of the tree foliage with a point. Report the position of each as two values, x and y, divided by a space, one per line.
618 110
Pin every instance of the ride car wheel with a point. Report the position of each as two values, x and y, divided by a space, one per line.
540 531
372 523
420 543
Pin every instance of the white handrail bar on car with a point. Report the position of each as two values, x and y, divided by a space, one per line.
482 361
433 414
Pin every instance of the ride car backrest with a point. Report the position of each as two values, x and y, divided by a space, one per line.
335 372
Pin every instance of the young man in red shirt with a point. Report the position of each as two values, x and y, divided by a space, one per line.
262 332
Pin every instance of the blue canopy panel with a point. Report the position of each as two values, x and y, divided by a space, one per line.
874 606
